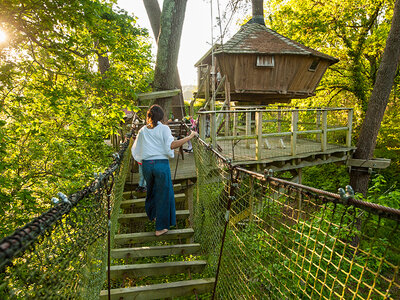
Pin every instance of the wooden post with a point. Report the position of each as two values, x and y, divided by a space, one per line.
349 127
279 119
294 128
324 139
213 117
213 133
248 128
318 112
259 145
235 119
228 106
202 126
207 87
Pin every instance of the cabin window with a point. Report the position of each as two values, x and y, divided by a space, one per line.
314 65
265 61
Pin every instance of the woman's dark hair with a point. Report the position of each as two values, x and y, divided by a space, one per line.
155 114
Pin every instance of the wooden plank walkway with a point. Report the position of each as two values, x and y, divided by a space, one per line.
276 147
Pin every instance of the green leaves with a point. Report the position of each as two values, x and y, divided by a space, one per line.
56 107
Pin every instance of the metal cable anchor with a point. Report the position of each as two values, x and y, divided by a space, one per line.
346 195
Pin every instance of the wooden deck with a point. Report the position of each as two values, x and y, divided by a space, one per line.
274 148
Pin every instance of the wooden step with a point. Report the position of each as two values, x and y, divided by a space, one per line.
140 202
127 194
181 249
156 269
142 237
162 290
135 217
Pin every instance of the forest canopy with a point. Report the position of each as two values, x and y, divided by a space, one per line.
355 33
67 71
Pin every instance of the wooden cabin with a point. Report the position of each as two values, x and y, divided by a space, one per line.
264 67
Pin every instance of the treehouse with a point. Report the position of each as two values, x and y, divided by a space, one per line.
262 67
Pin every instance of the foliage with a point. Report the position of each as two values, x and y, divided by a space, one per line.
356 34
327 177
353 32
56 107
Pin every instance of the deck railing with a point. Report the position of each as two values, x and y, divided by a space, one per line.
246 133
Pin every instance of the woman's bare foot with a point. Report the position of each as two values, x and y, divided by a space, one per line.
161 232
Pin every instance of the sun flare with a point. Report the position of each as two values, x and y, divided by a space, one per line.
3 36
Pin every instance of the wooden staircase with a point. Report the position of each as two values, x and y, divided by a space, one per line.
144 266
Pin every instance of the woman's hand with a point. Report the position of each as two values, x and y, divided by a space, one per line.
193 134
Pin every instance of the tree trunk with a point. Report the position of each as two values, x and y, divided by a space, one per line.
154 14
104 63
166 76
359 177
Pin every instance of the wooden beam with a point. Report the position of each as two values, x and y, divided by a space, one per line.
375 163
294 128
143 237
349 125
324 138
161 290
248 128
259 135
151 269
135 217
157 95
180 249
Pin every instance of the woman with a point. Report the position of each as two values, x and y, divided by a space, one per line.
153 146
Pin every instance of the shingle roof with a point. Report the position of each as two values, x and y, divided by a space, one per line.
256 38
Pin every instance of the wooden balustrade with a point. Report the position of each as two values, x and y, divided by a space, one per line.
248 124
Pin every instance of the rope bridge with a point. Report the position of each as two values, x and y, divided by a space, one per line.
263 237
270 238
62 254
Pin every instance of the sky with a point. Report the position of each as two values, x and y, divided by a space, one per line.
196 33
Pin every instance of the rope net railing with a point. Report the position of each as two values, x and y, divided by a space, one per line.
62 254
289 241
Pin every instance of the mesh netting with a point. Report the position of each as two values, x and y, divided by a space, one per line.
288 241
62 253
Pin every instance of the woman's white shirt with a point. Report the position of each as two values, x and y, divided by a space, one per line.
153 143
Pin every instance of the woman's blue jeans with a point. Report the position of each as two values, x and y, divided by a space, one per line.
160 200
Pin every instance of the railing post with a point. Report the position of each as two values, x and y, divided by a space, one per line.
318 117
228 101
279 119
235 120
207 88
349 127
213 132
259 134
202 126
324 139
248 128
294 128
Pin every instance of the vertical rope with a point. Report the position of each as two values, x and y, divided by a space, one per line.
232 186
109 190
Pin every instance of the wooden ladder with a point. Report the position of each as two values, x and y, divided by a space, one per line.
145 266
